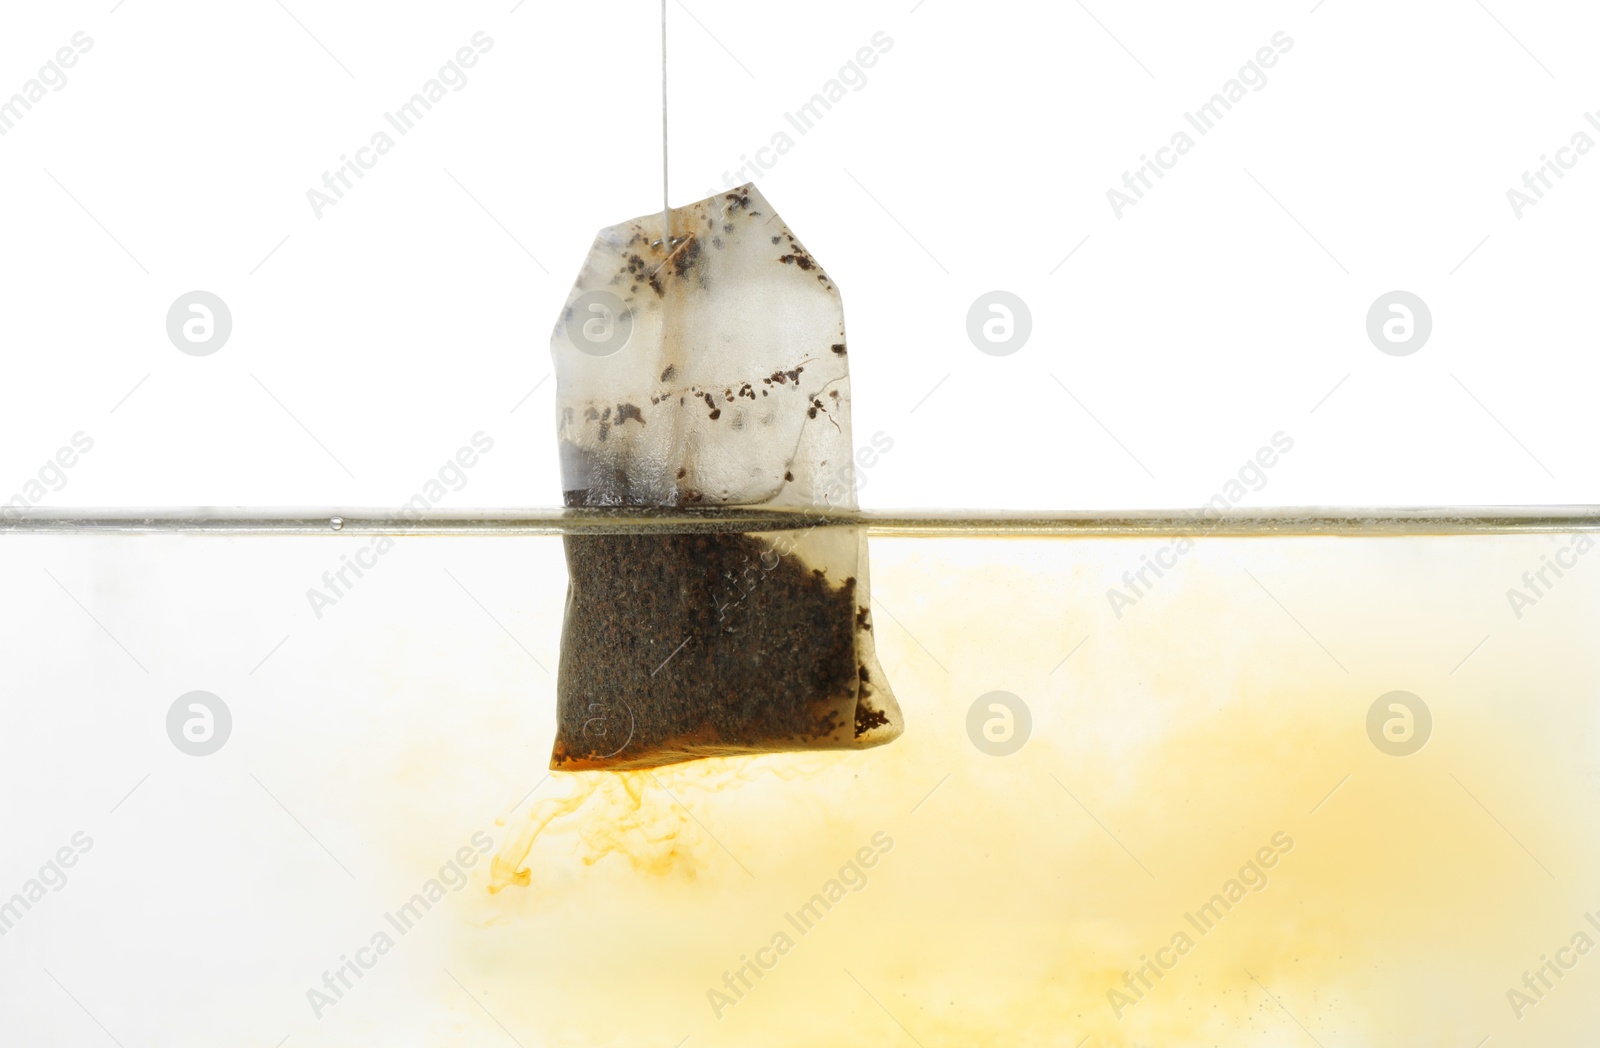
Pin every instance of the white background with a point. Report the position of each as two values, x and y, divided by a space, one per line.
372 738
1174 341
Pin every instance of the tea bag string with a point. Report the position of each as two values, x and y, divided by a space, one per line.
666 230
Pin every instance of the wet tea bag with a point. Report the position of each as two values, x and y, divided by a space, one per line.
709 369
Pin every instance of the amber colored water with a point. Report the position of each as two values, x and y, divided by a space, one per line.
1199 842
1215 732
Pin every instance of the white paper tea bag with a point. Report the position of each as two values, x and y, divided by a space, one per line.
707 370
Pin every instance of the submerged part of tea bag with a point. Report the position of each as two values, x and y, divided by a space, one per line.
708 368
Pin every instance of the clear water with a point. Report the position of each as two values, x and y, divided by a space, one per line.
1203 836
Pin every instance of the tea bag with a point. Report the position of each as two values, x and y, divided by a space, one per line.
708 368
